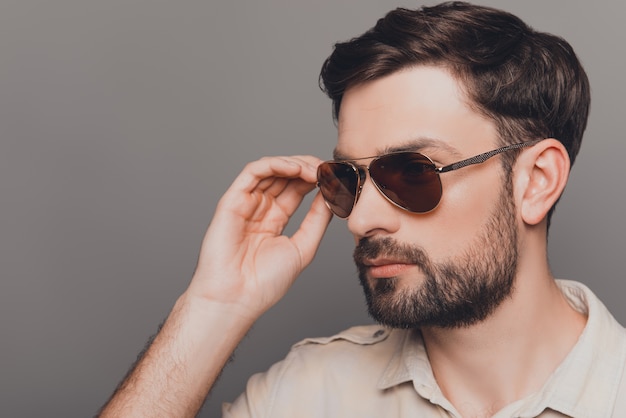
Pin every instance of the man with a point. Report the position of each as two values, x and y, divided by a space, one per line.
457 127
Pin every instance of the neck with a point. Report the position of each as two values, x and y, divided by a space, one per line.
511 354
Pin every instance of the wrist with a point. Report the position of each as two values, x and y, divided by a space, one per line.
197 319
228 295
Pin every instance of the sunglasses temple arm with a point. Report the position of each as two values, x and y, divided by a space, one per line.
481 158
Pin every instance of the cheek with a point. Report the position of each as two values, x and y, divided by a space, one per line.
467 203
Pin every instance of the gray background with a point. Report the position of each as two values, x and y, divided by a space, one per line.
122 123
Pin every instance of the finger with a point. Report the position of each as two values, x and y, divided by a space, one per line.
246 192
309 235
292 196
255 173
309 159
275 185
278 203
241 198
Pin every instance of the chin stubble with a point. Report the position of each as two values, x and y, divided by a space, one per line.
457 292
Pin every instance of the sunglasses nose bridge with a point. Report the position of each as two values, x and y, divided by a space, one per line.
365 174
408 180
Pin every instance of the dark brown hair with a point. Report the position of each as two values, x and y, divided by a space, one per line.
530 83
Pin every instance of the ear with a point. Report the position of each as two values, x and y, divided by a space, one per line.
543 171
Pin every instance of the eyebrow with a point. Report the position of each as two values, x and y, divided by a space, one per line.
415 145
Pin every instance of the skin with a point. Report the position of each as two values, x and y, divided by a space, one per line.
246 265
414 109
483 367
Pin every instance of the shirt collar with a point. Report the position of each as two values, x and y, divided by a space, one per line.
584 385
587 381
408 362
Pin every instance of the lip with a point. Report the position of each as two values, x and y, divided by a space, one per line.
384 269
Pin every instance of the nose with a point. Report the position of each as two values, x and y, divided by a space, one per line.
373 214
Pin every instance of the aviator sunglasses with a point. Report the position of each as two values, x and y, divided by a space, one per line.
409 180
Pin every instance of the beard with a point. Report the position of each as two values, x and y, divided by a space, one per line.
456 292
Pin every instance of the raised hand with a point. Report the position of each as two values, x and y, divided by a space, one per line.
245 258
246 265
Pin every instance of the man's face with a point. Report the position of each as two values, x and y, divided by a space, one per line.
450 267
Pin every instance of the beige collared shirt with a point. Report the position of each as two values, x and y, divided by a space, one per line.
371 371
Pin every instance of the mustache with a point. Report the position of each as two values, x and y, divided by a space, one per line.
372 248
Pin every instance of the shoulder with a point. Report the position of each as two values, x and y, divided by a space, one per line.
355 358
313 362
323 374
374 344
359 335
351 347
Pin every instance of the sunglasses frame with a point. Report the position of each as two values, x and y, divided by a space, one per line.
361 176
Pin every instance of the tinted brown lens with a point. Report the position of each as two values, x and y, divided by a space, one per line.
338 183
408 179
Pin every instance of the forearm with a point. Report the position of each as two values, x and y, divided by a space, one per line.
183 362
245 266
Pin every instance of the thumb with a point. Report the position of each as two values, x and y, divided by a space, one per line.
309 235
